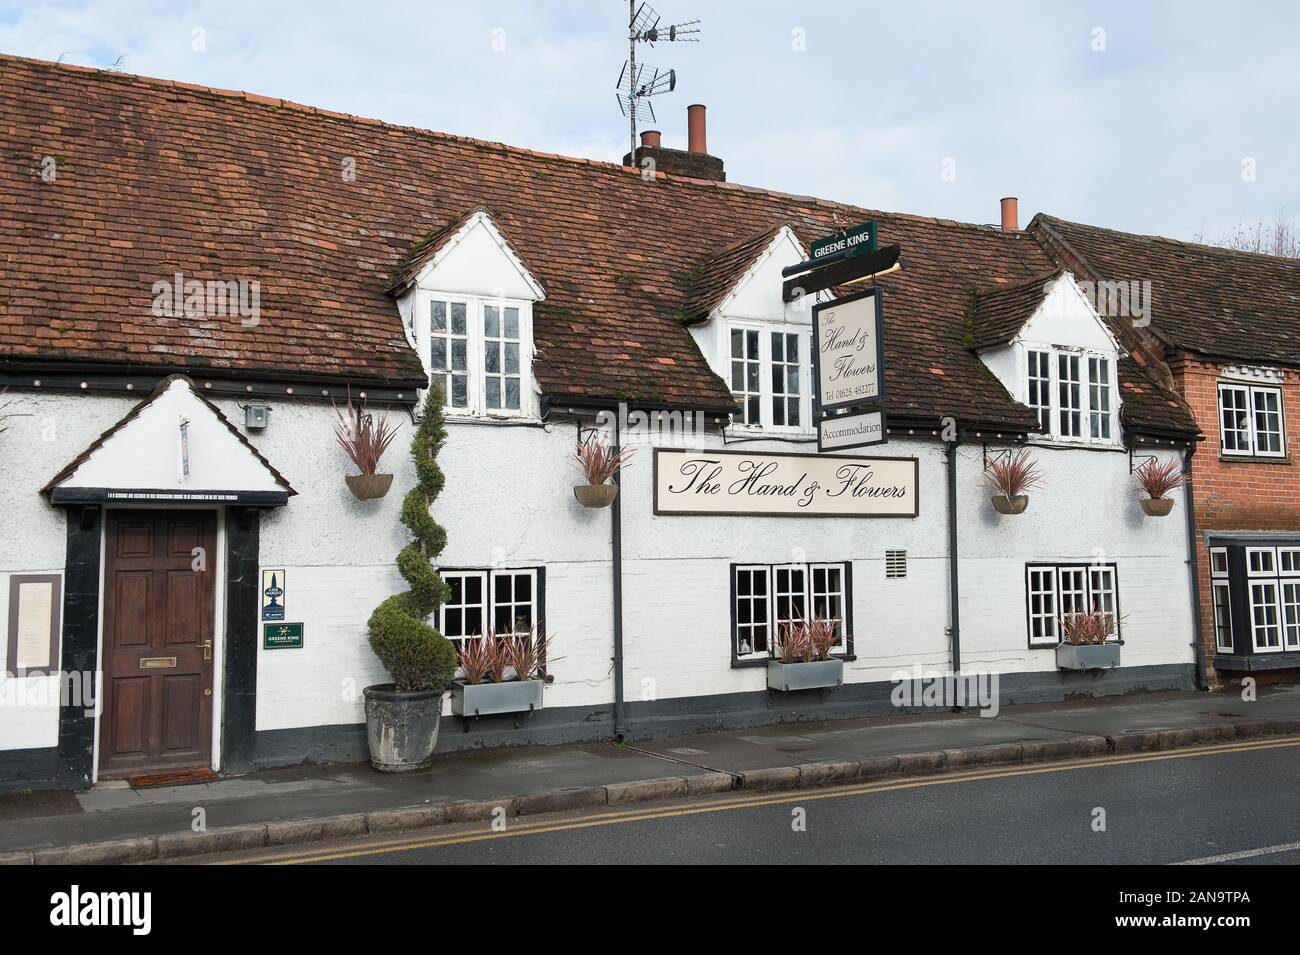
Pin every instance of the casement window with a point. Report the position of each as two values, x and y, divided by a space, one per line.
507 601
1040 388
1072 394
1251 420
479 349
769 597
1221 592
1273 591
1054 590
770 377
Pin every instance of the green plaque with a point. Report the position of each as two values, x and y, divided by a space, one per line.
855 241
281 636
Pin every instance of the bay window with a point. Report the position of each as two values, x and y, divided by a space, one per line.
1250 420
1273 591
1221 593
1072 394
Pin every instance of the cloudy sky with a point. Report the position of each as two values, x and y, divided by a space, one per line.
1178 119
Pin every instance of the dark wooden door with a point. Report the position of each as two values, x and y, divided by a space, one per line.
159 593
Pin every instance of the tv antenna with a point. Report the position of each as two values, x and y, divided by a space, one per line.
637 83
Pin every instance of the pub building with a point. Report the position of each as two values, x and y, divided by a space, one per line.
178 526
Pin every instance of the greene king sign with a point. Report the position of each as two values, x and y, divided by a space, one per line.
791 485
848 351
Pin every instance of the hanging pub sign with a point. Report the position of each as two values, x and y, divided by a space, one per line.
772 484
859 429
848 351
273 594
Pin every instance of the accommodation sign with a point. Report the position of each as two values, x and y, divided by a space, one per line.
848 351
783 485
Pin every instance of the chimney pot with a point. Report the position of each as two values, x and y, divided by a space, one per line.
695 137
1010 214
650 138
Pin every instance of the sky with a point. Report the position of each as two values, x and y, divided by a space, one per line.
1177 119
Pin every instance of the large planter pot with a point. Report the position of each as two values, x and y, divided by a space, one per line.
484 699
595 495
819 674
365 487
1157 506
1010 505
1087 656
401 728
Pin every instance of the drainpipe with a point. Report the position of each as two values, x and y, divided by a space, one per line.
954 612
1193 571
617 560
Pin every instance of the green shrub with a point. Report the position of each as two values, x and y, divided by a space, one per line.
414 653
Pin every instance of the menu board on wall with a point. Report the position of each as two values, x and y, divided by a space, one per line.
33 639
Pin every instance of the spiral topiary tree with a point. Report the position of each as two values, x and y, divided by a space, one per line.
416 655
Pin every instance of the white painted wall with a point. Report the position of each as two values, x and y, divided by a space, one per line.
508 502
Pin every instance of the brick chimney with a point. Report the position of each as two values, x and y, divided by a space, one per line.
1010 214
693 162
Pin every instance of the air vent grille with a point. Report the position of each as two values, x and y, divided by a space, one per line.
895 563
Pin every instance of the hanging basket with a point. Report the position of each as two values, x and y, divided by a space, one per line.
595 495
1010 505
367 487
1157 506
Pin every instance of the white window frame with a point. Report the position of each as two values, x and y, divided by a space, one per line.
1091 394
1091 586
488 605
1253 395
476 351
770 573
1220 587
1270 572
766 330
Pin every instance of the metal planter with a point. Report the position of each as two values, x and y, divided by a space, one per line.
401 728
1087 656
484 699
817 675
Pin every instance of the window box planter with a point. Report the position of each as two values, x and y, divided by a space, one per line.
1010 505
819 674
485 699
367 487
1087 656
595 495
1156 506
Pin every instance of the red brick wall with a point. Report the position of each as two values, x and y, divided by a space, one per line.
1237 495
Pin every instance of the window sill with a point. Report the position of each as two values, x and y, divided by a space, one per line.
460 417
1053 646
1076 444
751 662
1254 459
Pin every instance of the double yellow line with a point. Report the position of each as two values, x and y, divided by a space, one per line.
723 804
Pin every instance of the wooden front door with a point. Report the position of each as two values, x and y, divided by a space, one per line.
159 594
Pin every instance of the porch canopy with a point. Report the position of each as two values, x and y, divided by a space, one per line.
175 447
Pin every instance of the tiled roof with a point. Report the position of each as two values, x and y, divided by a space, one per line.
998 314
1214 302
323 209
717 275
1148 406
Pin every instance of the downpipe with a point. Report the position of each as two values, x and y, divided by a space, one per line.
1193 571
954 605
616 514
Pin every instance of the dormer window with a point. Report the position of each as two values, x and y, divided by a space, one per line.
1071 394
768 376
466 299
476 351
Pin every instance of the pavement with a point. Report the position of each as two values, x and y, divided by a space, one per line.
306 804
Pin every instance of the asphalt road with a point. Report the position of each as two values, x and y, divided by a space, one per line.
1230 804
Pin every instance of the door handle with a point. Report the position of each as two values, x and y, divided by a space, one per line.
207 651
